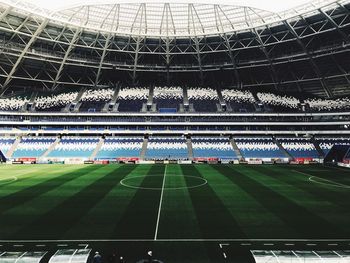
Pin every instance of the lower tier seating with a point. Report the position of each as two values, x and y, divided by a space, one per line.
74 147
212 148
326 143
167 148
120 147
6 143
33 146
259 148
299 147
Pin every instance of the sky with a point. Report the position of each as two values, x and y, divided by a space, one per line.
270 5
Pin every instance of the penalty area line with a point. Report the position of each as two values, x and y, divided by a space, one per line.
160 205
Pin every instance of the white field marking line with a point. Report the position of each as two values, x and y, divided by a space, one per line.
223 244
330 182
84 245
172 240
123 183
160 204
14 178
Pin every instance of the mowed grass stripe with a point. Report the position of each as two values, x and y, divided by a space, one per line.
33 176
29 211
139 219
42 183
305 223
178 218
54 223
100 221
214 219
318 206
337 174
21 173
319 193
243 207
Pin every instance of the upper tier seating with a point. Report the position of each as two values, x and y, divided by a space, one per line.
6 143
33 146
12 104
259 148
203 99
299 147
168 97
207 147
132 99
328 105
278 102
239 100
119 147
55 102
74 147
326 143
93 100
166 148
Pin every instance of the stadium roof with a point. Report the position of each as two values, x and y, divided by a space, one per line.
148 18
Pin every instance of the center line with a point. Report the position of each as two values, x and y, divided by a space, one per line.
160 204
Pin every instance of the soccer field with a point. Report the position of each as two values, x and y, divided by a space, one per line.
168 203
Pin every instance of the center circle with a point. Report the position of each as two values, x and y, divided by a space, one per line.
136 181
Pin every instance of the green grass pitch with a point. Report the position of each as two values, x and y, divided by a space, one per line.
174 203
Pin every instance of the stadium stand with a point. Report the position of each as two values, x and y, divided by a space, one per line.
259 148
278 102
93 100
5 144
328 104
326 143
33 146
172 98
211 147
74 147
168 99
239 100
203 99
55 102
120 147
12 104
166 148
132 99
299 147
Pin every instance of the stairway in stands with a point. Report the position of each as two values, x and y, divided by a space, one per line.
13 147
236 149
189 148
50 149
318 148
97 149
30 105
144 148
222 104
111 105
75 105
150 105
284 151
